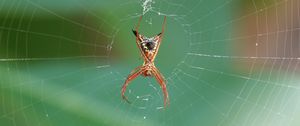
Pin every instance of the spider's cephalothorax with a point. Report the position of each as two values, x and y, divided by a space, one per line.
149 49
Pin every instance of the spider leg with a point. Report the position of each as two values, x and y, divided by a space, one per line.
138 25
135 69
139 38
159 37
135 73
163 27
162 84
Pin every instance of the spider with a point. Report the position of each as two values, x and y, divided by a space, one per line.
148 48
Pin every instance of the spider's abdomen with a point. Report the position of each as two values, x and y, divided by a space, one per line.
150 45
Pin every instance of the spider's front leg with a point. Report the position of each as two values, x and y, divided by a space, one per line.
162 84
135 73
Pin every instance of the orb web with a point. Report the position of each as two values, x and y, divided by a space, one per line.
226 62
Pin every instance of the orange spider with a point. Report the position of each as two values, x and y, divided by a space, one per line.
149 49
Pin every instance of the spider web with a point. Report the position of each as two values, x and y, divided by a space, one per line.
226 62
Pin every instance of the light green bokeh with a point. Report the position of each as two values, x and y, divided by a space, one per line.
86 90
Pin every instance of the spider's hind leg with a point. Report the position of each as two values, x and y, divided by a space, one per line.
162 84
135 73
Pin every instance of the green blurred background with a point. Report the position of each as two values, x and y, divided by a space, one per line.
227 63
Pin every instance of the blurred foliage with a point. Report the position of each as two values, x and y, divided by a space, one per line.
86 90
